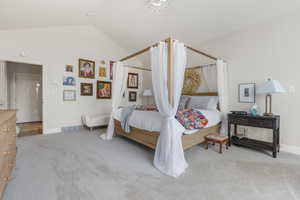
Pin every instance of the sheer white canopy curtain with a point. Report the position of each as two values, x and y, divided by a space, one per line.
222 74
169 155
210 77
3 85
118 88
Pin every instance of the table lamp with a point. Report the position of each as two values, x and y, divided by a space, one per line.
270 87
147 93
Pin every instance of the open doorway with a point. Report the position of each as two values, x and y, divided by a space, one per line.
25 94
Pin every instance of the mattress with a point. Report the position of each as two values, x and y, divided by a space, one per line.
151 120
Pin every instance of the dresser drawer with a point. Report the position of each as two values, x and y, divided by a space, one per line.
7 128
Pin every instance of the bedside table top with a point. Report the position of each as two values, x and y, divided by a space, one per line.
254 117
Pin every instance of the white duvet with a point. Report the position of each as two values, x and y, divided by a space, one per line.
151 120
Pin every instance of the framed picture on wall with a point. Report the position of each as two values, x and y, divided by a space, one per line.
69 81
69 68
132 96
102 71
69 95
133 80
86 68
111 69
86 89
103 90
247 93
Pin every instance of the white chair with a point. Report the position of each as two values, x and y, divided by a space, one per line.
92 121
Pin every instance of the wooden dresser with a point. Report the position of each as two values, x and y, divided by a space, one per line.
7 146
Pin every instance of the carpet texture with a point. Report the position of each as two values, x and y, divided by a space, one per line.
80 166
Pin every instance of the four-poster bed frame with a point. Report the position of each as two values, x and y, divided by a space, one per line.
149 138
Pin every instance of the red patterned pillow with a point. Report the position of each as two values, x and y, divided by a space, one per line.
191 118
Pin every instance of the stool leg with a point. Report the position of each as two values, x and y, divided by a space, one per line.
226 145
206 147
220 148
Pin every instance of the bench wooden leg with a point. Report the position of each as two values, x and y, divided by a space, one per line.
220 148
206 147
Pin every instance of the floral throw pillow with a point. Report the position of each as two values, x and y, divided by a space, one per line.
191 119
147 107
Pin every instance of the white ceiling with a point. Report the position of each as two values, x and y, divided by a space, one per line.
133 25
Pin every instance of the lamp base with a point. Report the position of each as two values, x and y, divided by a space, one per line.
268 114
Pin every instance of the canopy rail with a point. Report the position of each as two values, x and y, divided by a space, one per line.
169 42
202 66
201 94
166 40
139 68
145 68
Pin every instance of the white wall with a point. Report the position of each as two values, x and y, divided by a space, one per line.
261 52
54 47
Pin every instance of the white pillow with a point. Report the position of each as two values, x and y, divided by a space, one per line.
204 102
213 103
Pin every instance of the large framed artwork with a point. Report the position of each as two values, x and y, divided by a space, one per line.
69 95
86 89
132 96
86 68
247 93
133 80
103 90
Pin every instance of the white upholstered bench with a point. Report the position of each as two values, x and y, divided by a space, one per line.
92 121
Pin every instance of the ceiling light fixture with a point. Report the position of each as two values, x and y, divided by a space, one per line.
157 5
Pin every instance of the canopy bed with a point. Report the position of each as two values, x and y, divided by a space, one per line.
169 138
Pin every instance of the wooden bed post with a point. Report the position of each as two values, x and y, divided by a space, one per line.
170 70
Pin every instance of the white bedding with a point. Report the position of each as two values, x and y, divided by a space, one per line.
151 120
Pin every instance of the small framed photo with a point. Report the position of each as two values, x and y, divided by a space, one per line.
69 81
69 68
102 71
103 90
86 68
86 89
133 80
111 69
247 93
69 95
132 96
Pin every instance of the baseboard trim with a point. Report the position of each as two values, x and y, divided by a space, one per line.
52 131
290 149
72 128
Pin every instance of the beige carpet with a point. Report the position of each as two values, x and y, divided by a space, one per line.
80 166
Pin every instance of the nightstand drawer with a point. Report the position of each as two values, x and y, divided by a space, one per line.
261 123
265 123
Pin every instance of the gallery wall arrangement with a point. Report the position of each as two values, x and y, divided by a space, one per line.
87 78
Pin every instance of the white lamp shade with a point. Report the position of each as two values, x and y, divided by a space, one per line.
147 93
270 87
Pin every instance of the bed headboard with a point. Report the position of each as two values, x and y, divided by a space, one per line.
201 94
211 94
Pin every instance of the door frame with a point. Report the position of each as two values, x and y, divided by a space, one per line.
30 62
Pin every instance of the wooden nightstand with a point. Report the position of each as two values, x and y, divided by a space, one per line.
268 122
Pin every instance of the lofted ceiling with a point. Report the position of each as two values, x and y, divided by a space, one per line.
133 25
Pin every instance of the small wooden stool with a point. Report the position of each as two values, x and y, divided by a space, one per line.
216 138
